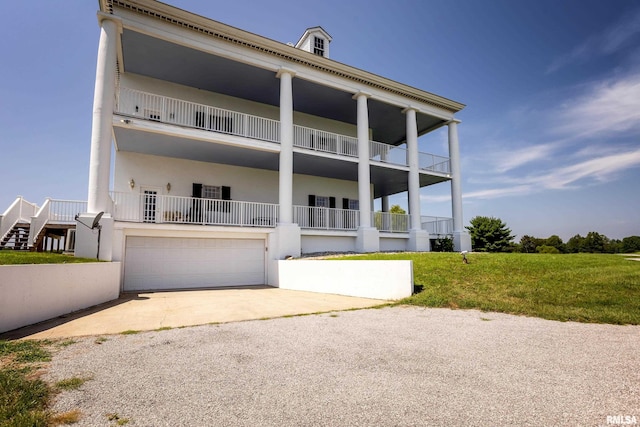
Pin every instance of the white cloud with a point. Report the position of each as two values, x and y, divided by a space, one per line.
495 193
512 159
610 107
600 169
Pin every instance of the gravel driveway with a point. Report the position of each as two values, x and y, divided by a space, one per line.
400 366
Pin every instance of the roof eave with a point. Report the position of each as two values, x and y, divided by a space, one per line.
250 40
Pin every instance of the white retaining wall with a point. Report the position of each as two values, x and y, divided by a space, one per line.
32 293
387 280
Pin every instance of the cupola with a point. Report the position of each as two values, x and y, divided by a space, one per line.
315 40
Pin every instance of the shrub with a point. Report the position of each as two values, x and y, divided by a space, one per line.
545 249
443 244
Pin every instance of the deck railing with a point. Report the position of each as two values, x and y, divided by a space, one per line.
164 109
155 208
434 163
327 142
400 223
55 211
387 153
391 222
326 218
437 225
19 211
135 103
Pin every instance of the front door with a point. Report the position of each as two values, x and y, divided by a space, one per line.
149 205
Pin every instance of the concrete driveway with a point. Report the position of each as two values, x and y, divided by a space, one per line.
155 310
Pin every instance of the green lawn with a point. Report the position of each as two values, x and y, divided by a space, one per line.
23 396
8 257
596 288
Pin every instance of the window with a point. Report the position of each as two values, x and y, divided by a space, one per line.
207 199
211 192
322 202
318 46
350 204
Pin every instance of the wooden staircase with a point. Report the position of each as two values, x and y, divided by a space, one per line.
18 237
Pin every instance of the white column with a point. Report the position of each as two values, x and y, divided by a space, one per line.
461 238
285 240
364 173
368 239
385 203
286 146
418 238
456 192
414 171
103 99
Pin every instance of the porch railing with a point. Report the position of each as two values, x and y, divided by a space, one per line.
54 211
327 142
19 211
387 153
437 225
326 218
164 109
401 223
156 208
149 106
390 222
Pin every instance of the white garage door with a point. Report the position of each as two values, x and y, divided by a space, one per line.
180 263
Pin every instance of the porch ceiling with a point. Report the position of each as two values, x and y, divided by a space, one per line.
385 180
137 141
160 59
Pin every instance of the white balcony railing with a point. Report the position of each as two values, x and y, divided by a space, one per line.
326 218
54 211
390 222
437 225
135 103
433 163
327 142
400 223
155 208
164 109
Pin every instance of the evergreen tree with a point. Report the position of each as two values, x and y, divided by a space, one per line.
489 234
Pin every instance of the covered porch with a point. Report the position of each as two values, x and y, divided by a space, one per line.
167 209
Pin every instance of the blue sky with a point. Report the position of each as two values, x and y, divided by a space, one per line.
550 137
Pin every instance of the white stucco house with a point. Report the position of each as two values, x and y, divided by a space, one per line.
233 151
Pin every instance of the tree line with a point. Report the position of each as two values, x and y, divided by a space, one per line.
489 234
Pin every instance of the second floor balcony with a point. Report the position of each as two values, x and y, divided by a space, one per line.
168 110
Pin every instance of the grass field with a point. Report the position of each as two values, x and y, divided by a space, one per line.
8 257
597 288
